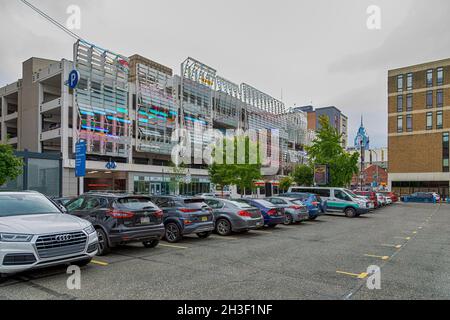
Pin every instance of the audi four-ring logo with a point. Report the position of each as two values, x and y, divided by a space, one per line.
63 237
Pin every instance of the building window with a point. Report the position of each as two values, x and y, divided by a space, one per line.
409 102
440 76
429 120
400 83
429 99
439 120
409 123
430 78
440 98
400 103
409 82
445 152
400 124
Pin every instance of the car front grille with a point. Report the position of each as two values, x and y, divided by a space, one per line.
62 244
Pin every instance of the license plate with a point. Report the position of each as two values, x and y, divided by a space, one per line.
204 219
145 220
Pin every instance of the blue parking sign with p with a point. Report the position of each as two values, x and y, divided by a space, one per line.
74 78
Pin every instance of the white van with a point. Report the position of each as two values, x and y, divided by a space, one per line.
338 200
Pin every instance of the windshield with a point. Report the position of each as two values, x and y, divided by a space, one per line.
25 204
351 194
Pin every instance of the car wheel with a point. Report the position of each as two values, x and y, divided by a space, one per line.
288 220
103 246
82 263
204 235
173 232
312 218
350 212
223 227
150 244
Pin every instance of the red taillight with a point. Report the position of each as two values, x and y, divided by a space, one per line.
315 203
159 214
245 214
295 207
272 212
186 210
117 214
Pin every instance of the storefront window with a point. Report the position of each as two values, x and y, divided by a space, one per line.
44 176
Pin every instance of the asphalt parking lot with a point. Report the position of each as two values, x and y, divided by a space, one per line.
324 259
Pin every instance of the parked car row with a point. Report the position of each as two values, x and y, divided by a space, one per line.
38 232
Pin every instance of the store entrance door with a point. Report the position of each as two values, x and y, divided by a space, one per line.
155 189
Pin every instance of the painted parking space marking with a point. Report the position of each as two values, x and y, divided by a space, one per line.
396 246
403 238
172 246
378 257
362 275
100 263
224 238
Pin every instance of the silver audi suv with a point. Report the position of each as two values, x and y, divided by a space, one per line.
35 233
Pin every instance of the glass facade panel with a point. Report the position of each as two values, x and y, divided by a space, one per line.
44 176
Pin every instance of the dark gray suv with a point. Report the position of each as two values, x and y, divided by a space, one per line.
185 215
232 216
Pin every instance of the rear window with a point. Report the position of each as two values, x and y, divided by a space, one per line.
265 203
194 203
241 205
134 204
25 204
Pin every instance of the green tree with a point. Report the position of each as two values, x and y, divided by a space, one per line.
10 166
327 150
238 171
286 183
303 175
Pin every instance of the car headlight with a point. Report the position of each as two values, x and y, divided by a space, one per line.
12 237
90 229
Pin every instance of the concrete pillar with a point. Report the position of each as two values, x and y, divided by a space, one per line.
2 124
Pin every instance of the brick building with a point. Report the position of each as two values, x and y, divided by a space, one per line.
419 127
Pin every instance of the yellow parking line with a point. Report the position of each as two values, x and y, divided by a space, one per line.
224 238
100 263
407 238
396 246
172 246
356 275
378 257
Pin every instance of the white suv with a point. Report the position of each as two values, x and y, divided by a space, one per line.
35 233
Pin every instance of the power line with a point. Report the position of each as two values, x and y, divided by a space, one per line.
51 20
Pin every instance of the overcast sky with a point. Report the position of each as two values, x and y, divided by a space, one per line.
316 52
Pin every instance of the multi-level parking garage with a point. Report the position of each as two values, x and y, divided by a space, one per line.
127 110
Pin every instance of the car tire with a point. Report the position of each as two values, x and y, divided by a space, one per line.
272 226
103 245
151 244
204 235
313 218
223 227
173 233
82 263
288 220
350 212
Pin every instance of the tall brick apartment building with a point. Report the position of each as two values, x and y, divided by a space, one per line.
419 128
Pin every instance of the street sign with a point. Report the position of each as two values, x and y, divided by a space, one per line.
80 159
111 165
74 78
